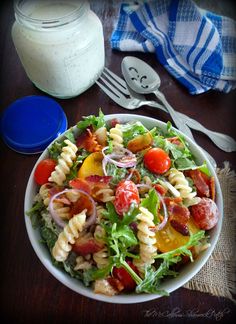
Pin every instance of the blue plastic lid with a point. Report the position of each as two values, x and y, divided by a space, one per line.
31 123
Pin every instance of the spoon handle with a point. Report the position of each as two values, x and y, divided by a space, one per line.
223 141
180 124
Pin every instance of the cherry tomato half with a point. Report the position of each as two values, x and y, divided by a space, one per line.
126 194
43 171
169 239
157 160
125 278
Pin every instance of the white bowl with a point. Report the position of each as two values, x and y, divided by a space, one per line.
169 285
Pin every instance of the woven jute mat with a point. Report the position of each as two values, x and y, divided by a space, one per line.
218 276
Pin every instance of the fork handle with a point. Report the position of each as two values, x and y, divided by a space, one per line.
224 142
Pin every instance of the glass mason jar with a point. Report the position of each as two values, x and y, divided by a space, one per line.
60 45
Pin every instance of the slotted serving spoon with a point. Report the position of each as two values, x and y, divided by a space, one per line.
141 78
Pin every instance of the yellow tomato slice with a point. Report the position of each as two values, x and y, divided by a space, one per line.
169 239
92 165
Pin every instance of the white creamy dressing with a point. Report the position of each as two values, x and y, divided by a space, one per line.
63 61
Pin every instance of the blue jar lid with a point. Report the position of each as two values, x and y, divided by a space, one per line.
31 123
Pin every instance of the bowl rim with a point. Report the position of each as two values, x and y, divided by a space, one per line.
76 285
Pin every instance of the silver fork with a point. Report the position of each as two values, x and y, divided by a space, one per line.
117 89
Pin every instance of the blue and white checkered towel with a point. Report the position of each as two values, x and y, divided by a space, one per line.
196 46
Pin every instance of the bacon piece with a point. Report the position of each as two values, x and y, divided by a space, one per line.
200 182
175 140
98 179
114 121
178 212
179 227
84 246
88 141
178 215
80 184
159 188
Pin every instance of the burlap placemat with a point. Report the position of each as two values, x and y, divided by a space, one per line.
218 275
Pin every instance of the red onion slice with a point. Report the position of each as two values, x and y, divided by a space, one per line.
165 219
56 217
121 154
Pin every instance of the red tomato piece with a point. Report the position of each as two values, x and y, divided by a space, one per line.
124 277
126 194
157 160
43 171
205 214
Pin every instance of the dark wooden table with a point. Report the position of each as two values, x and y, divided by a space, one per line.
28 292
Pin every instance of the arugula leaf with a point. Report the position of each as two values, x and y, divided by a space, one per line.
117 173
35 213
94 273
48 236
130 216
92 120
124 235
111 213
171 256
204 169
151 202
184 163
131 130
152 279
55 148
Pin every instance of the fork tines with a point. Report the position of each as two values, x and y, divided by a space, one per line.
112 84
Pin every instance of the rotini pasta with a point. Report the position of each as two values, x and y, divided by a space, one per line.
82 263
44 193
62 211
147 239
101 257
117 136
100 213
180 183
102 286
67 237
103 194
65 161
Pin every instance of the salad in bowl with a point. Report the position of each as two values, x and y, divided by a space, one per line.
123 208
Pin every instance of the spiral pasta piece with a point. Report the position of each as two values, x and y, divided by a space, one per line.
100 213
178 180
65 161
82 263
67 237
62 211
117 136
44 193
104 194
101 257
146 238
